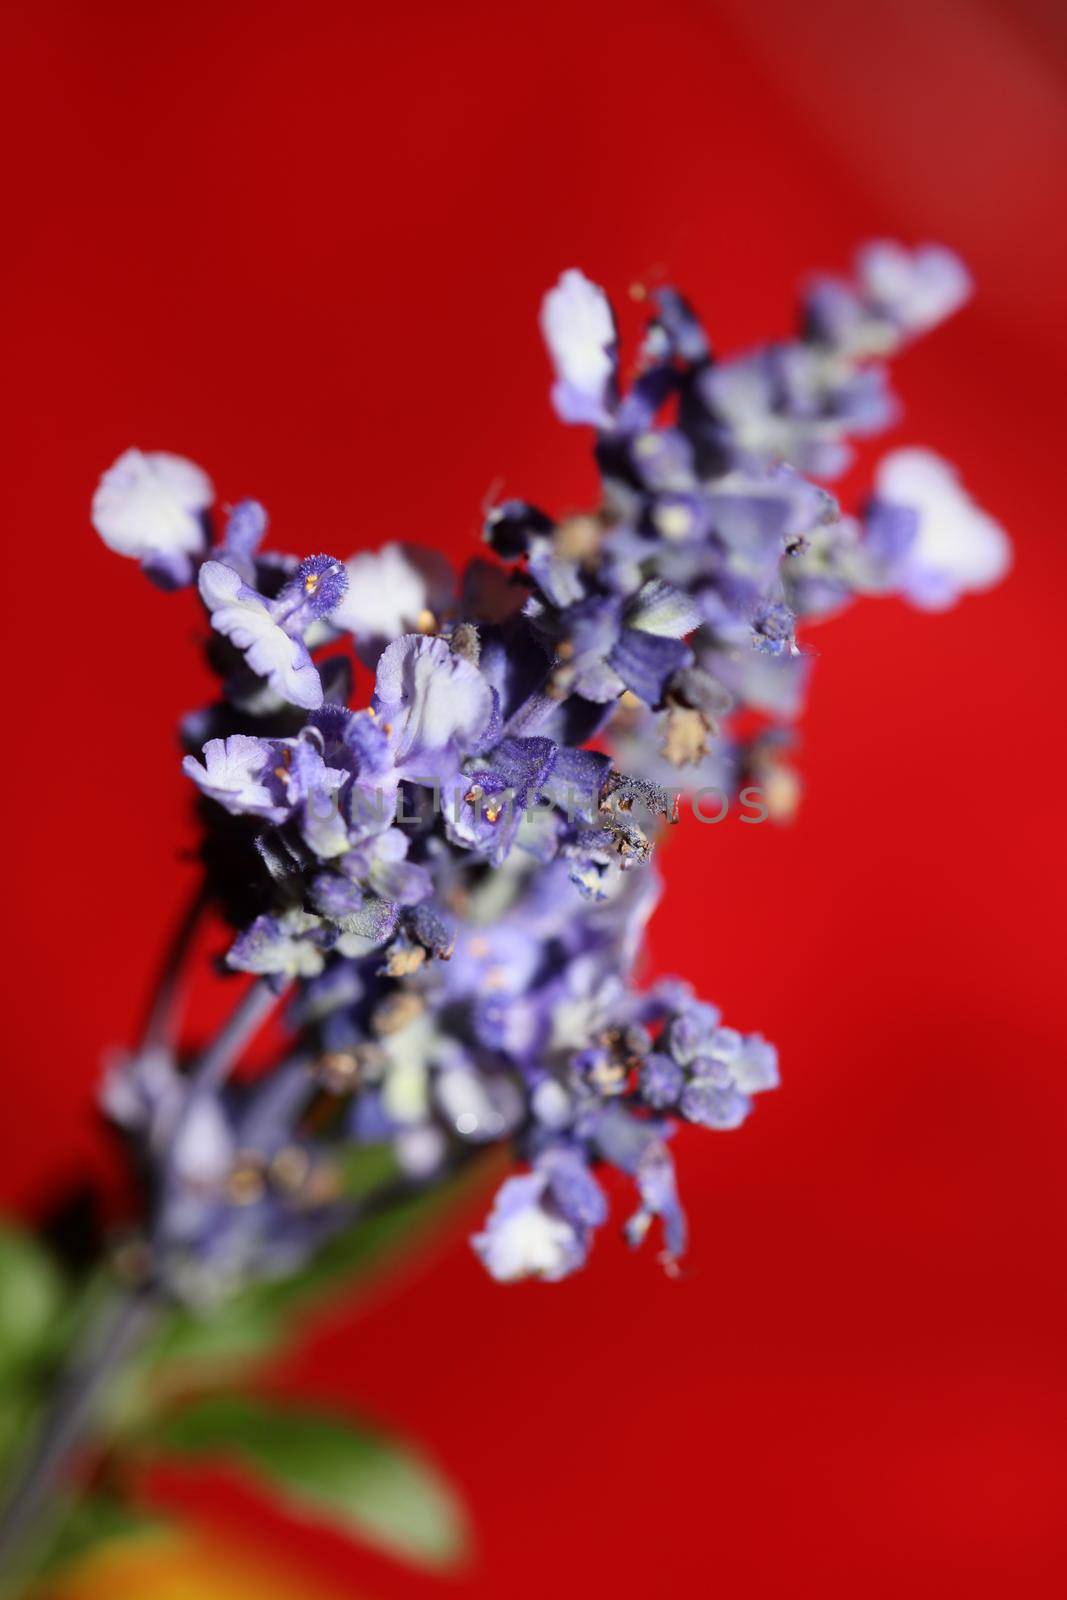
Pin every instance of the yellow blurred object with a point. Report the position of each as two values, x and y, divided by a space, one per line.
178 1566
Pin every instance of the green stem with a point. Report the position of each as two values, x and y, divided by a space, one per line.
161 1022
119 1328
68 1424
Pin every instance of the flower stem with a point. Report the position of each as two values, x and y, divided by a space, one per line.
160 1023
121 1324
213 1067
36 1497
207 1074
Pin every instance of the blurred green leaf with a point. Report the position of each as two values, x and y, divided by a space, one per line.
221 1336
355 1478
31 1294
365 1168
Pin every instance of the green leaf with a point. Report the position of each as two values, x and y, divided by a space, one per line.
30 1297
355 1478
221 1337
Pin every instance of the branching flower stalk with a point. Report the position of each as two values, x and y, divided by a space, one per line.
444 892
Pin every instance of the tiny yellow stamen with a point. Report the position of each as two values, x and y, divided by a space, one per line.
245 1184
132 1261
674 522
322 1186
405 960
396 1012
339 1071
290 1168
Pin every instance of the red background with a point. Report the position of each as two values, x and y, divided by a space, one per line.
305 244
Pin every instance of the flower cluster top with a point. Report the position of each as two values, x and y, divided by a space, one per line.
451 883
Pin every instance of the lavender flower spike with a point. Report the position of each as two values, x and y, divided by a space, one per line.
452 882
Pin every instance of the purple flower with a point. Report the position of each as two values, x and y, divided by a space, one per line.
611 645
283 947
246 528
956 547
144 1094
790 403
242 615
662 1081
898 294
529 1234
579 330
312 594
151 506
241 774
915 290
380 862
450 884
434 704
729 1070
395 590
658 1189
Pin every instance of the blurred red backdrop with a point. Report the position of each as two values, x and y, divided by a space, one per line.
305 245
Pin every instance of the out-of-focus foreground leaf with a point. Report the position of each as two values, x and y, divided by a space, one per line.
31 1293
356 1478
33 1321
